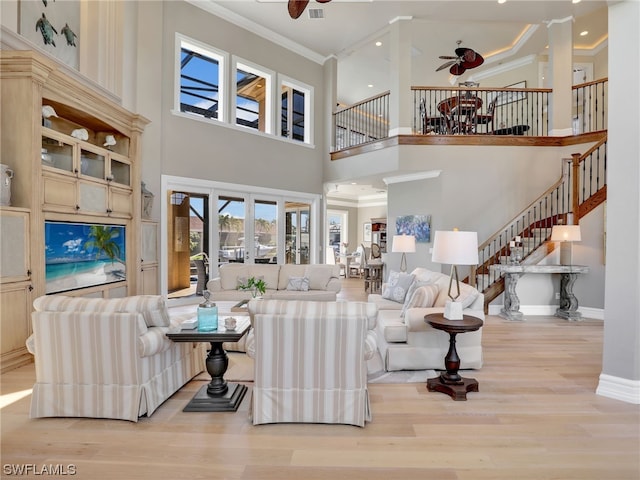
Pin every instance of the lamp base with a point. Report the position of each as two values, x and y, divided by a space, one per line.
453 310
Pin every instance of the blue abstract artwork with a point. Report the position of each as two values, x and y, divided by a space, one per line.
417 225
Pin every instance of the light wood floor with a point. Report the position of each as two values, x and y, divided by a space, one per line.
536 417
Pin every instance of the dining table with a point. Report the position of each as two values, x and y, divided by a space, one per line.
459 113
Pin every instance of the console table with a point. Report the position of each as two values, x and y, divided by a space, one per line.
568 302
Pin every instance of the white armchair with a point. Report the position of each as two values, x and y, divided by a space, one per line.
107 358
311 361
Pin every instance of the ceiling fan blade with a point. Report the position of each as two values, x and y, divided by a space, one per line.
445 65
323 1
457 69
476 62
296 7
447 57
462 51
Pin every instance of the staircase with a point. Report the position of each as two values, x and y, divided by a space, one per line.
580 189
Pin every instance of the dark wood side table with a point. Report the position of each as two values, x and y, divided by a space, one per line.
450 382
218 395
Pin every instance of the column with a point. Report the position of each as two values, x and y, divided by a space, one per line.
561 74
400 99
620 377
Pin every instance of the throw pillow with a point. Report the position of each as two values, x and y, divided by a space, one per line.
416 283
298 284
422 297
319 276
397 286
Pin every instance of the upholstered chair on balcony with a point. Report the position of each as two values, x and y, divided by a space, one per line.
311 361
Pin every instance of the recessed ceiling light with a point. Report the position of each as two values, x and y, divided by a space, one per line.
378 43
502 1
585 33
370 86
575 1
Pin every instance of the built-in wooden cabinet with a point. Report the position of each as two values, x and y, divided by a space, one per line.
15 285
77 166
149 258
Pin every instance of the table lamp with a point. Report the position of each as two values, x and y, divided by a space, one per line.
455 248
403 244
566 235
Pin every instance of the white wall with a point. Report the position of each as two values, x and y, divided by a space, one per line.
481 189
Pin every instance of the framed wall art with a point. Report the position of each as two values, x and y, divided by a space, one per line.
417 225
366 235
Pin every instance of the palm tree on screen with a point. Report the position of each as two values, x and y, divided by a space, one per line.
103 239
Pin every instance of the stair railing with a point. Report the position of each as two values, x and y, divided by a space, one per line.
581 188
533 225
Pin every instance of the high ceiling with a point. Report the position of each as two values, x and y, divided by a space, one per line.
502 33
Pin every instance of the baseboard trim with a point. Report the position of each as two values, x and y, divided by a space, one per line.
619 388
550 310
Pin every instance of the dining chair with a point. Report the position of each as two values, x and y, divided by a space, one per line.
487 118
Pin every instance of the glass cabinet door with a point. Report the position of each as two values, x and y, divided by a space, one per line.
120 172
56 154
92 164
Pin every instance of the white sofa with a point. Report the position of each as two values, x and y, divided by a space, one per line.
407 342
324 281
107 358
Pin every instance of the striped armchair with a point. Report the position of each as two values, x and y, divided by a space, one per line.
310 361
107 358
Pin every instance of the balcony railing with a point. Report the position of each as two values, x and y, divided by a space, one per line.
590 106
468 110
364 122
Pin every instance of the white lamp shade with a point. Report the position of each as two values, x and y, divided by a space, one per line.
403 244
565 233
455 247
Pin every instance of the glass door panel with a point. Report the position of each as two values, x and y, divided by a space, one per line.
120 172
92 164
291 247
298 231
187 244
56 154
265 231
231 229
305 236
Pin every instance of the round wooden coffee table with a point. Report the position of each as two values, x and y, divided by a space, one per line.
450 382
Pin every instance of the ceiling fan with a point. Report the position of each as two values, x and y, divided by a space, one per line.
296 7
465 59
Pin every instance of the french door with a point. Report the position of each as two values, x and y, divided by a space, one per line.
298 233
237 224
247 228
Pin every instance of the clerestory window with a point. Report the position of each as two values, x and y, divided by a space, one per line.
213 85
295 108
201 80
253 97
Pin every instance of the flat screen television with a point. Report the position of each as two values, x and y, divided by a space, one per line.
80 255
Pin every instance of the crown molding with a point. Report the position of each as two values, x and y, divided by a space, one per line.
231 17
505 67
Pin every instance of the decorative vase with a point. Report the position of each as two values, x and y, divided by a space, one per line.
6 174
207 314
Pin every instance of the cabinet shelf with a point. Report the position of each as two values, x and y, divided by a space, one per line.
60 177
